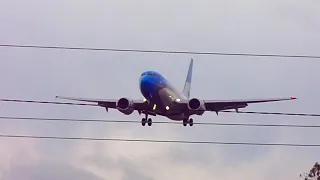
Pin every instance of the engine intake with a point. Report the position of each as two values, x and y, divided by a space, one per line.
125 106
194 104
197 106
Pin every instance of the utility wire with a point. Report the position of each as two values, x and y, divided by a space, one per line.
157 141
88 104
156 122
156 51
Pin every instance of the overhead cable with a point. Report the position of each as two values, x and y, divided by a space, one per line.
156 122
88 104
156 51
158 141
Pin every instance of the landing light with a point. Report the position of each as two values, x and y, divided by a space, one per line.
178 100
167 107
154 107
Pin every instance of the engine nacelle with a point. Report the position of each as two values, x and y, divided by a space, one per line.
196 106
125 106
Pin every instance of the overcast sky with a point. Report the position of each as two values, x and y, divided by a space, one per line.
247 26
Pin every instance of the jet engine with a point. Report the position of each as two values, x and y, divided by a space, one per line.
197 106
125 106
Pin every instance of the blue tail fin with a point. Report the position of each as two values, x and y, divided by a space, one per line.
187 85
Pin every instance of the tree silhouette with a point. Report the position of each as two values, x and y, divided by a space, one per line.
314 173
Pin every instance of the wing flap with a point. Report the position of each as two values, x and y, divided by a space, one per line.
108 103
250 100
218 105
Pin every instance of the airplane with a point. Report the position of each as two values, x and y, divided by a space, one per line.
163 99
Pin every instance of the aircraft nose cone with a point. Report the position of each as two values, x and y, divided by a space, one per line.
146 86
145 82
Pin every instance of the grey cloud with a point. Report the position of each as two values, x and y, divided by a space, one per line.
130 171
106 161
47 170
130 174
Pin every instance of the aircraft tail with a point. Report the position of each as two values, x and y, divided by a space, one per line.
187 85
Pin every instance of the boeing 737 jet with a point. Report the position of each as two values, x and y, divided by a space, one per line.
163 99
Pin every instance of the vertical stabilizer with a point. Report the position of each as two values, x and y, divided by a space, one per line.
187 85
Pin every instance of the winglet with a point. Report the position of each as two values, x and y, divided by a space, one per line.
293 97
61 97
187 85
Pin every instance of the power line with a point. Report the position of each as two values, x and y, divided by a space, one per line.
156 122
226 111
156 51
158 141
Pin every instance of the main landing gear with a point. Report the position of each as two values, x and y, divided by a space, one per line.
186 122
146 120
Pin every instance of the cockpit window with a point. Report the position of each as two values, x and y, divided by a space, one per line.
148 74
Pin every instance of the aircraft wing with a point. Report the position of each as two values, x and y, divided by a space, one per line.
108 103
219 105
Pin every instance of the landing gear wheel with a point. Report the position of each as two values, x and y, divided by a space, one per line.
191 122
185 122
143 121
149 122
